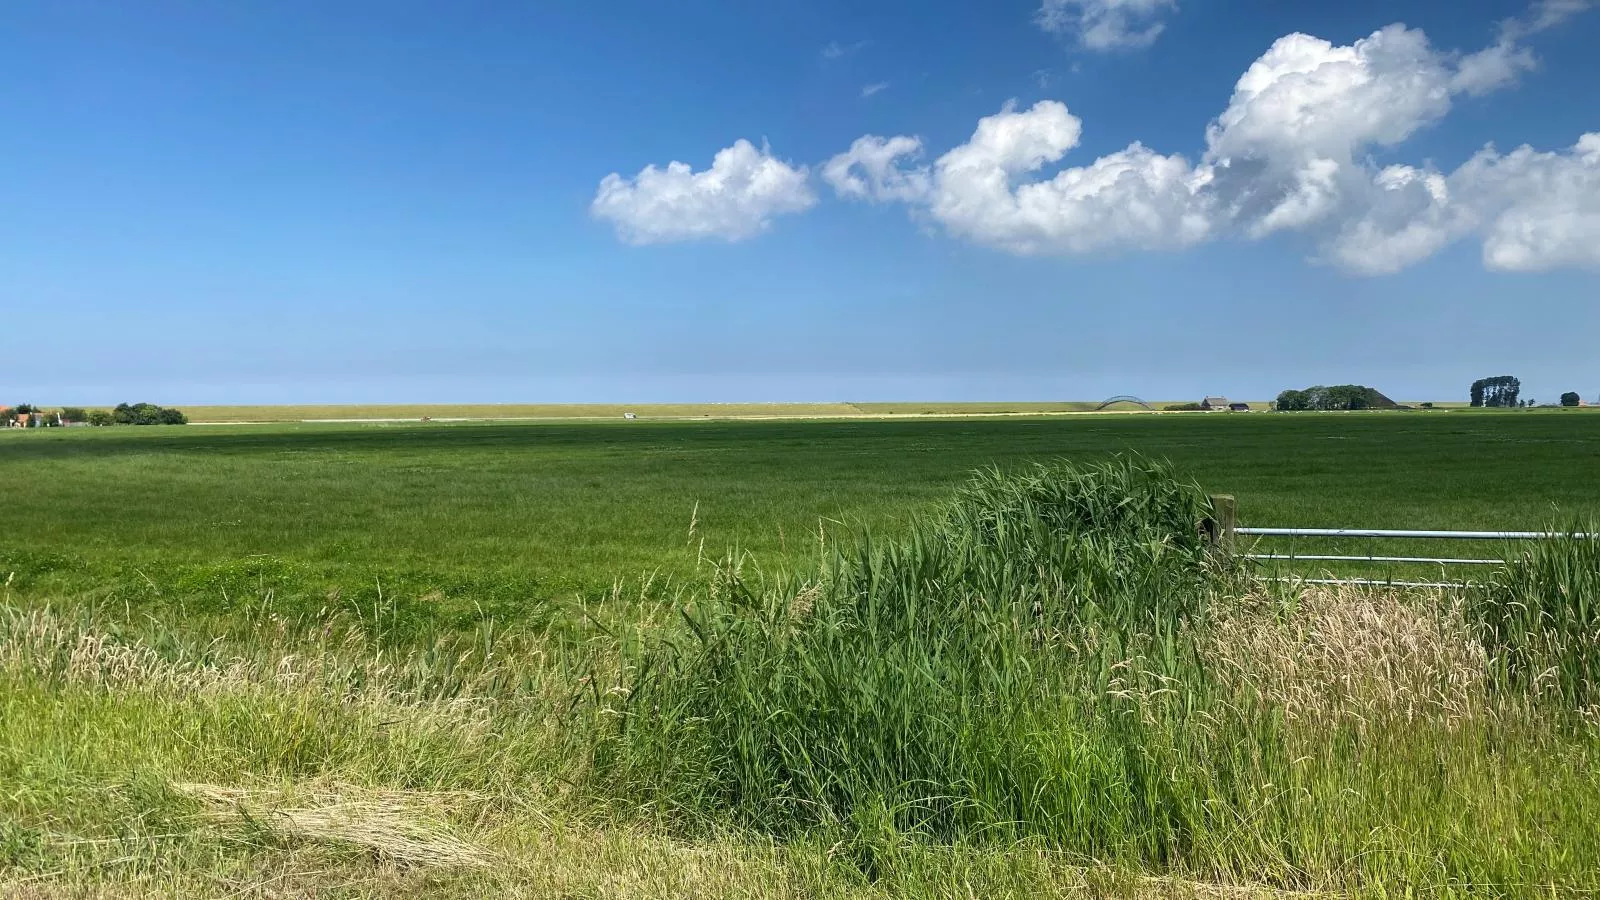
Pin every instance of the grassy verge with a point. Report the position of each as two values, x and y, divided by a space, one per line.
1047 685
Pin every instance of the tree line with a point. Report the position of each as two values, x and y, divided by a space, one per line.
121 414
1500 391
1333 397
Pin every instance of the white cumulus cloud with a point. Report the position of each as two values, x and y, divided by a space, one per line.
1538 210
1290 154
870 170
1107 24
1132 198
737 198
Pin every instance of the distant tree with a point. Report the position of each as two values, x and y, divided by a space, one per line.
73 414
23 409
1498 392
1333 398
147 414
1292 401
100 417
1571 398
1183 407
1428 405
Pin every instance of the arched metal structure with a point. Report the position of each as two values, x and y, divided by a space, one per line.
1123 398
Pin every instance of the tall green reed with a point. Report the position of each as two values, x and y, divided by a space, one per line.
996 670
1540 617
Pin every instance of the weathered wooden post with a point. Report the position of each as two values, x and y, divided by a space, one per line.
1223 522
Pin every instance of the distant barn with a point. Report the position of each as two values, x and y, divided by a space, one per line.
1214 403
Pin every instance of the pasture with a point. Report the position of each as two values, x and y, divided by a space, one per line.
514 513
513 659
579 411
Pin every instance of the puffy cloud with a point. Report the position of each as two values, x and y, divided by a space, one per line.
870 170
1405 216
1305 96
1131 198
1107 24
1538 210
1533 210
1502 62
1286 153
1290 154
1492 68
737 198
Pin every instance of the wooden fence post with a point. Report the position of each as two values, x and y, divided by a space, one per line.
1224 519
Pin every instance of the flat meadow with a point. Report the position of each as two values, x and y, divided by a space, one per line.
746 658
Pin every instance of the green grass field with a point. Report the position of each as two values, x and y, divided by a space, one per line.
513 411
341 660
536 511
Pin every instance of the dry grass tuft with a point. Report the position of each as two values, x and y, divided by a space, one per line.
1342 654
407 828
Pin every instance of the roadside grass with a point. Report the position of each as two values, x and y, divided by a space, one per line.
143 762
1057 656
1045 685
136 774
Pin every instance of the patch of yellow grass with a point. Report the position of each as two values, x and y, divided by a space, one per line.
408 828
1348 653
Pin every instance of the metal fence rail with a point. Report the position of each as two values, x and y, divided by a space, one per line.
1439 560
1424 535
1224 529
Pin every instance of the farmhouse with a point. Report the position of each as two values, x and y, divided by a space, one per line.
1212 404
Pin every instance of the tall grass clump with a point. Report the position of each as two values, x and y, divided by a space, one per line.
996 672
1540 617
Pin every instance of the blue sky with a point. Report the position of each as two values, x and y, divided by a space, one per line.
426 202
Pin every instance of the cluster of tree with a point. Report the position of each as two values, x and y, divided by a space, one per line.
147 414
124 414
1334 397
1499 391
1571 398
1183 407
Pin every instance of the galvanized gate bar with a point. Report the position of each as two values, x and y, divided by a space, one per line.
1442 561
1222 528
1386 533
1369 582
